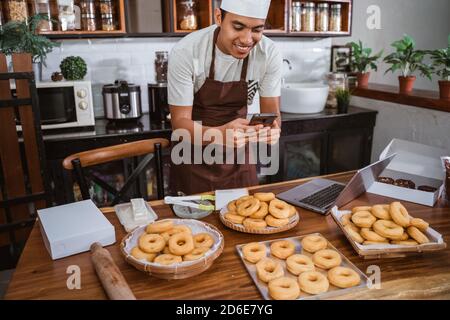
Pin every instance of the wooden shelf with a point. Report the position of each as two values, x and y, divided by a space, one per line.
418 98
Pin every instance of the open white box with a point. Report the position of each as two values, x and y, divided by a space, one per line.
416 162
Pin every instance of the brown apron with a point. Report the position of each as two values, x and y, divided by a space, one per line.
215 104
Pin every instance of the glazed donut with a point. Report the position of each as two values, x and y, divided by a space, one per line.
195 254
141 255
381 211
248 207
361 208
167 259
388 229
342 277
251 223
176 229
353 233
151 243
203 240
279 209
268 269
284 288
417 235
160 226
406 242
298 263
327 259
262 211
264 196
242 199
368 243
274 222
386 180
254 251
292 211
420 224
346 218
233 217
363 219
181 243
370 235
313 282
232 206
399 214
282 249
314 243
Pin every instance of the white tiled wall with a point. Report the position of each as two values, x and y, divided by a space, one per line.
132 59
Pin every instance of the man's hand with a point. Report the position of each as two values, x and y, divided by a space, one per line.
239 132
270 135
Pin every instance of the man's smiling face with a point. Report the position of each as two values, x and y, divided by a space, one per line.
238 34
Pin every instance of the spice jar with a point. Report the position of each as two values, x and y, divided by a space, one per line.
43 9
108 22
188 15
88 18
106 7
16 10
296 24
308 17
335 18
161 63
335 81
66 15
1 15
322 17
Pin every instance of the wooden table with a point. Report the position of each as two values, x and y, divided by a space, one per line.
420 276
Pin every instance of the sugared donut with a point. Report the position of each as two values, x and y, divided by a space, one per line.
234 218
370 235
381 211
251 223
417 235
346 219
268 269
282 249
242 199
284 288
298 263
313 282
314 243
363 219
264 196
262 212
353 233
420 224
159 226
248 207
176 229
203 240
254 251
327 259
151 243
342 277
279 209
181 243
399 214
139 254
167 259
232 206
292 211
195 254
274 222
388 229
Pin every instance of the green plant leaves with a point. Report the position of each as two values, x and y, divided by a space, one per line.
361 59
73 68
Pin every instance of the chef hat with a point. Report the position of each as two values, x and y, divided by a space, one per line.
247 8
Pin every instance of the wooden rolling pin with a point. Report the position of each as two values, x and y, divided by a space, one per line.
110 276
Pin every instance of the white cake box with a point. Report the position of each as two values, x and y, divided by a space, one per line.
72 228
416 162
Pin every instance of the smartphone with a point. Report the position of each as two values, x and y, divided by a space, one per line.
266 119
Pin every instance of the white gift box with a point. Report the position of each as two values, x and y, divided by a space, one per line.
72 228
416 162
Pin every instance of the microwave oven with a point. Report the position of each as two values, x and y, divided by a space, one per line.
65 104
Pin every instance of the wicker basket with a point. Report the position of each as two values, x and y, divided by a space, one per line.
181 270
268 230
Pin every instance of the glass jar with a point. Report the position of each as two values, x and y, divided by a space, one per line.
66 15
322 17
88 18
108 22
1 15
296 24
106 7
16 10
188 15
335 81
42 7
161 63
308 16
335 18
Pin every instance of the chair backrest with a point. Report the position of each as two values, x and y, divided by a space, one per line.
23 181
149 149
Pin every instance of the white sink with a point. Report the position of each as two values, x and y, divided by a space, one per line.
303 97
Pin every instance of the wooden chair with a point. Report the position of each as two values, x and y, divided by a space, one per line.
148 148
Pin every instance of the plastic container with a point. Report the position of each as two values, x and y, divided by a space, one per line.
15 10
322 13
188 15
308 17
335 18
88 16
296 22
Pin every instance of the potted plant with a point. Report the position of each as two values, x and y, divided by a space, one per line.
441 66
73 68
362 62
407 59
343 99
22 37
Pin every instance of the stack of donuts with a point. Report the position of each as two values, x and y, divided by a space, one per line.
384 224
259 211
166 243
311 271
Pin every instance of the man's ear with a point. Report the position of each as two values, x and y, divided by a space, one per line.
218 16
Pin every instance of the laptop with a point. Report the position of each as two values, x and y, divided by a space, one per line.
320 195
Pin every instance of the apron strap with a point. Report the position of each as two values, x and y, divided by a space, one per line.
213 59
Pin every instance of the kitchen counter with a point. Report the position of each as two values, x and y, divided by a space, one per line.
419 276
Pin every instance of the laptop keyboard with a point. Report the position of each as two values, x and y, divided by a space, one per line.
324 197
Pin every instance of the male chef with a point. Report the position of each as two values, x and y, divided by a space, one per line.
213 75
